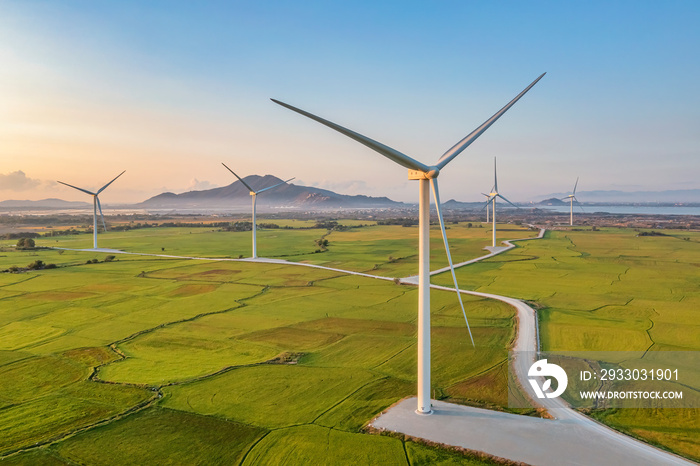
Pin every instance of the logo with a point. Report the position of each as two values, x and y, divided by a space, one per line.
542 369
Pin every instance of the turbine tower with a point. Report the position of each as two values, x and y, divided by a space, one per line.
571 198
492 199
95 205
426 175
254 194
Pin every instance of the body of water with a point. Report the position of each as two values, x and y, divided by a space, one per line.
628 209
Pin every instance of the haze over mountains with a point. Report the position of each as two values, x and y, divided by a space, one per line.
293 196
51 203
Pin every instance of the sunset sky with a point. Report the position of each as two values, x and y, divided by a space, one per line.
167 90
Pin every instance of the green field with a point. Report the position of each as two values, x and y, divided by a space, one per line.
201 361
151 359
609 290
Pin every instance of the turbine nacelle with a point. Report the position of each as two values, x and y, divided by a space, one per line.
429 174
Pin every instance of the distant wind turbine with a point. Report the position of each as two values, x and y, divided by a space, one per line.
95 205
255 193
571 198
488 201
492 199
427 179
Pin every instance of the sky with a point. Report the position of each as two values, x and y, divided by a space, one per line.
167 90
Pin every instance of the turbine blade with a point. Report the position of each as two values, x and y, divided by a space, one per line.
392 154
79 189
579 205
270 187
495 176
508 201
239 178
464 143
99 206
105 186
575 186
436 194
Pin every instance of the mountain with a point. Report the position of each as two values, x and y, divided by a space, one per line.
552 201
289 195
44 204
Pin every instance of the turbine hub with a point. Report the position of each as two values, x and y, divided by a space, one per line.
433 173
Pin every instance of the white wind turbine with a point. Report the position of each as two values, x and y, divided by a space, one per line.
427 177
488 201
95 205
492 199
571 198
255 193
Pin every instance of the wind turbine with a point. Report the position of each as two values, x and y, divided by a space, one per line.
95 205
488 201
427 178
571 198
492 198
255 193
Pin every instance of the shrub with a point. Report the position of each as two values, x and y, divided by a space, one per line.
110 258
36 265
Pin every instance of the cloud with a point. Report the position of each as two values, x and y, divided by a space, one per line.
196 185
18 181
342 187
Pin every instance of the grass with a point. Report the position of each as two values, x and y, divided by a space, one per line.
161 436
609 290
319 445
189 340
184 345
279 395
46 397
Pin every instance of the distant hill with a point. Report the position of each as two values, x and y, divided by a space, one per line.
552 201
459 205
44 204
289 195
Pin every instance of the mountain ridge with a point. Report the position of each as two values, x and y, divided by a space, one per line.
288 195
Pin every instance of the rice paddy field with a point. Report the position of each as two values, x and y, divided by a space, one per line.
177 361
609 290
150 359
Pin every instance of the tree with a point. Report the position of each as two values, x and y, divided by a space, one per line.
25 243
